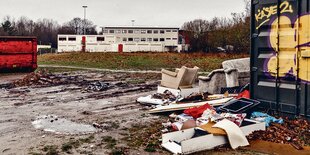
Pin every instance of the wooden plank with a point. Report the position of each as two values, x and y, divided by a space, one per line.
175 107
213 130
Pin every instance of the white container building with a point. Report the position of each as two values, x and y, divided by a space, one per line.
124 39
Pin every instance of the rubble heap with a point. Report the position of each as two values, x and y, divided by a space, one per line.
294 132
167 95
44 78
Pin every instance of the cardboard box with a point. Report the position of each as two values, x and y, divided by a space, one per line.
181 142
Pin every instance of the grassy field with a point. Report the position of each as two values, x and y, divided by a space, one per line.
138 61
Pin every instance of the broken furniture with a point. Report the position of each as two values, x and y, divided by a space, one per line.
181 78
178 94
213 82
182 142
178 83
242 105
176 107
234 73
237 72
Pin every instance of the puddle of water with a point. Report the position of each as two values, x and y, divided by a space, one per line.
52 123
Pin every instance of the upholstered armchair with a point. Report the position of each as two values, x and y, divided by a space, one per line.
180 78
237 72
213 82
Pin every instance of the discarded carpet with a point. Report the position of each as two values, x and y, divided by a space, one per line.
235 135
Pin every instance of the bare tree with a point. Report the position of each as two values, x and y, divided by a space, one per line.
46 30
208 35
78 25
22 26
197 31
247 7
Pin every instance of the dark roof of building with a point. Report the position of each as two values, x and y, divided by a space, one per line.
18 37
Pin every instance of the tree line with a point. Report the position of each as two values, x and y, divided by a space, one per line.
220 33
46 30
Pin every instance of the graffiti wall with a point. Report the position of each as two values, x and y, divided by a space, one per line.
280 55
289 38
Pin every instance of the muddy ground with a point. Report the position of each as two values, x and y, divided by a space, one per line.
112 112
73 113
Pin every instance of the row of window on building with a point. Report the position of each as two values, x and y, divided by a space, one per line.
139 31
74 38
148 39
65 38
124 39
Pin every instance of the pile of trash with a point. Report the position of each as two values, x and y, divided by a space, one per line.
167 95
195 117
196 97
202 121
43 78
293 132
216 119
164 98
234 121
210 126
99 86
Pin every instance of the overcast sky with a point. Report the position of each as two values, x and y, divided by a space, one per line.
120 12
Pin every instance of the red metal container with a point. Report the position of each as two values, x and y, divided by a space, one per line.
18 53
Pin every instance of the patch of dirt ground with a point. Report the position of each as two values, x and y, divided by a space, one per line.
112 111
81 112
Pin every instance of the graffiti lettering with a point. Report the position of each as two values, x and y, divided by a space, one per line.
284 41
266 12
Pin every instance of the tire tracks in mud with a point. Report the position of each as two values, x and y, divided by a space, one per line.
117 93
108 108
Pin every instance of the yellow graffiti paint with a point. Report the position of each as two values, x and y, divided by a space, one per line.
265 13
285 38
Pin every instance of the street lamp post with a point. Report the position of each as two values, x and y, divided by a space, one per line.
84 19
133 22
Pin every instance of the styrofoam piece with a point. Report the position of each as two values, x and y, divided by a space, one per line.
183 106
176 92
149 100
207 142
173 147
